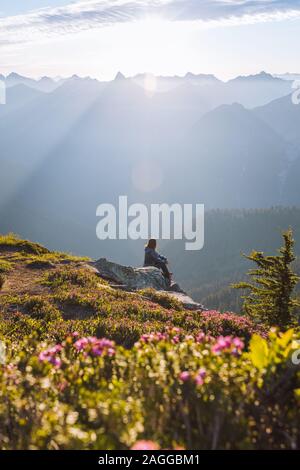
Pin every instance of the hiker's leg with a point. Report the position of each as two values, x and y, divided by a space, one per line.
161 265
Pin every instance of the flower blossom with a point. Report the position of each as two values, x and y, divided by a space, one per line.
184 376
145 445
50 355
200 376
153 337
97 347
228 344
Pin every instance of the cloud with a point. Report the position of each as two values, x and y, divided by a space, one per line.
207 10
86 14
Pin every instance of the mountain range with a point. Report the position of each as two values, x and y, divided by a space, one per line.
68 145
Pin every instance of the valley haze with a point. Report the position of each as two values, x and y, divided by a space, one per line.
68 145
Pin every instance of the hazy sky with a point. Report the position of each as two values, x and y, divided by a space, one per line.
100 37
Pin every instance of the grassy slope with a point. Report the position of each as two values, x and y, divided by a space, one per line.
119 398
54 293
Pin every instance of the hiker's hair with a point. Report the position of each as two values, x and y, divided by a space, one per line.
151 243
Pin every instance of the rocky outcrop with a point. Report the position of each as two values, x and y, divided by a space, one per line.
131 278
187 302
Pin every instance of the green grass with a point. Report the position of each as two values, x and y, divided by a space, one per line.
68 277
12 241
69 297
2 280
5 266
37 252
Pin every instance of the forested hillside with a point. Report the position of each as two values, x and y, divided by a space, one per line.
207 274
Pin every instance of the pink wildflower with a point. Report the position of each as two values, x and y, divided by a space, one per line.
228 344
80 344
184 376
238 346
153 337
95 346
50 355
189 338
175 329
200 337
201 374
145 445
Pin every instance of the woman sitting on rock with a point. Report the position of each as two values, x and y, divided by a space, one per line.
152 258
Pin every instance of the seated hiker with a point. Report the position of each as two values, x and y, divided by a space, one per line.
153 258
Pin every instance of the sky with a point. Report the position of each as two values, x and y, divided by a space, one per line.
165 37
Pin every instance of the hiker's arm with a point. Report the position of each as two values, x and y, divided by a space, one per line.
157 257
163 258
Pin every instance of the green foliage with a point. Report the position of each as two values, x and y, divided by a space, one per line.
39 307
56 257
12 241
5 266
2 280
37 252
177 390
67 277
207 274
270 299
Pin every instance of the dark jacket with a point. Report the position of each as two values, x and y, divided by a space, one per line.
152 258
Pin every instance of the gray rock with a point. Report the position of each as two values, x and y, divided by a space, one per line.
187 302
90 267
133 278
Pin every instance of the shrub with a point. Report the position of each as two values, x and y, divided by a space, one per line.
5 266
2 280
13 242
40 308
71 276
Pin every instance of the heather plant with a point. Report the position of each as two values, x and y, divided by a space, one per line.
2 280
93 367
170 389
5 266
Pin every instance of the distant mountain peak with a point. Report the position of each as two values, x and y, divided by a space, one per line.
230 108
265 75
45 79
14 75
259 76
200 75
75 77
120 76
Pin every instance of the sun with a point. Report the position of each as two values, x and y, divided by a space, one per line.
150 46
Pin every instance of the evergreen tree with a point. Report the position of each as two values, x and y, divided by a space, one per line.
270 298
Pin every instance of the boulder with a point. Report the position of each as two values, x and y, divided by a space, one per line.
129 278
187 302
132 278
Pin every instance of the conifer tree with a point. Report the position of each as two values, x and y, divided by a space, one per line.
270 299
